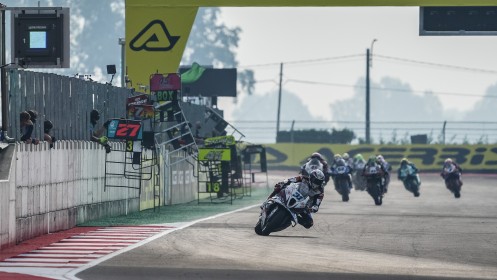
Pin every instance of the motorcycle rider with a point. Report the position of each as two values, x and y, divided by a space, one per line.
404 163
336 158
315 161
348 172
313 186
348 160
447 164
358 159
357 165
387 168
373 162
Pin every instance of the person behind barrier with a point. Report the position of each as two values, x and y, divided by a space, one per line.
27 128
47 136
96 134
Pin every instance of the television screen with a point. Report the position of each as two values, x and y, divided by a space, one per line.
37 39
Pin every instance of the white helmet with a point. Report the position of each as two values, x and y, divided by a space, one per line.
316 179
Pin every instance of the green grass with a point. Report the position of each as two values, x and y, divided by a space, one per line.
186 212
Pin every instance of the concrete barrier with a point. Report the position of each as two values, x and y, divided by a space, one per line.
49 190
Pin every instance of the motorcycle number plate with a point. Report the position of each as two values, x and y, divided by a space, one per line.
341 169
298 196
373 170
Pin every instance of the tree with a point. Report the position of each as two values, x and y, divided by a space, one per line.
214 43
344 136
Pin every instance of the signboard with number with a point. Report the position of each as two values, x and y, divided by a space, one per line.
165 87
140 112
214 154
124 129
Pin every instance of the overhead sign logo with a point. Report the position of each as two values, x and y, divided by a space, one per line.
154 38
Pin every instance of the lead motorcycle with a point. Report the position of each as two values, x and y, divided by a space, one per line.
281 210
375 182
410 179
453 180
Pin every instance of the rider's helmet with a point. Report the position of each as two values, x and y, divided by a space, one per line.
341 162
379 159
318 156
358 157
371 161
448 161
404 161
345 156
337 157
316 179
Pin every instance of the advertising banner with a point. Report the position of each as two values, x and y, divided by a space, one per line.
472 158
205 154
156 36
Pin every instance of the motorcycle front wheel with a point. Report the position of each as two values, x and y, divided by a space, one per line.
374 189
455 187
277 220
258 228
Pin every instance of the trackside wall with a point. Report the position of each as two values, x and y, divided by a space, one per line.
49 190
55 189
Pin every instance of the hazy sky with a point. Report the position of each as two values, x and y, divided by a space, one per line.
323 51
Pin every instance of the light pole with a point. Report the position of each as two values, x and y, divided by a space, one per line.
122 43
369 63
279 103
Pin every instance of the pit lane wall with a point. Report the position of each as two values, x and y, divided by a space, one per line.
428 158
48 190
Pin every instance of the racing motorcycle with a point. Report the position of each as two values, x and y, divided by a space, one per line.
409 177
281 210
342 182
375 182
453 180
358 180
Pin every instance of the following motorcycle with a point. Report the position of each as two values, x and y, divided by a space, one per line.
281 210
410 178
453 180
358 180
341 178
375 182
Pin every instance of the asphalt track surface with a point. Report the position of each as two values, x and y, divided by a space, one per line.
434 236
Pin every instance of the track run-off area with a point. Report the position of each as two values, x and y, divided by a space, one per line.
434 236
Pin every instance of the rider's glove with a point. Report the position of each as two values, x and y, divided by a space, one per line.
314 208
103 140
